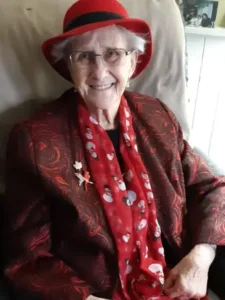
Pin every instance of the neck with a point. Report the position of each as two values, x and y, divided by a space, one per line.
108 118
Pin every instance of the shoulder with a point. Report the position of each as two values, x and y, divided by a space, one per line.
150 108
54 110
140 98
153 118
52 117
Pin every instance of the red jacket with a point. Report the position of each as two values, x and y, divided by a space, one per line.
58 242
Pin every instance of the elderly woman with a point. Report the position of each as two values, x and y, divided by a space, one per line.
104 197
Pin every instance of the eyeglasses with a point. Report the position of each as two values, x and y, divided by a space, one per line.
111 57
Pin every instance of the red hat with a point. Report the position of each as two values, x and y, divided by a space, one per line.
86 15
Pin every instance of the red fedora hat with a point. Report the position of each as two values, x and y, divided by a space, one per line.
87 15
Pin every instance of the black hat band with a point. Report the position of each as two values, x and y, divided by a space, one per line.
91 18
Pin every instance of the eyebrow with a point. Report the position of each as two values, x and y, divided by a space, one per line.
89 50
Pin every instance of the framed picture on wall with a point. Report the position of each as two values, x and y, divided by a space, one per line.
200 13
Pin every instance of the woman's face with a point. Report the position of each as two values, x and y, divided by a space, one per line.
101 85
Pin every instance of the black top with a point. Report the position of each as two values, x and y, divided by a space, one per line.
114 136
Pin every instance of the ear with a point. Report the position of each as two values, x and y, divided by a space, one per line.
134 61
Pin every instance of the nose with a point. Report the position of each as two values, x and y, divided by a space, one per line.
99 69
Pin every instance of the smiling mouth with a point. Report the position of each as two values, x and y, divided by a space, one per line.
101 87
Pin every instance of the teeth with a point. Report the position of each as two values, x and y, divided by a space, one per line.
101 87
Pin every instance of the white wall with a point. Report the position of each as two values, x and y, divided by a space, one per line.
207 94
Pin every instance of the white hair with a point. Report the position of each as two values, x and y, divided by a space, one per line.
135 41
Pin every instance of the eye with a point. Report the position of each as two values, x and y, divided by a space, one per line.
112 55
84 56
112 52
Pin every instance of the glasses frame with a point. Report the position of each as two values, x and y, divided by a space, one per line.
127 52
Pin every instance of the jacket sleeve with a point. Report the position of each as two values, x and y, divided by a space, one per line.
205 192
30 267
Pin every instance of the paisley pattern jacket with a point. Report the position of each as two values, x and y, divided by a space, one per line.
57 239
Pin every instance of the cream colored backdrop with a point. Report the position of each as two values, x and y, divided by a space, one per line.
26 80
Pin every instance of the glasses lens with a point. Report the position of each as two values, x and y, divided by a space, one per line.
83 58
114 56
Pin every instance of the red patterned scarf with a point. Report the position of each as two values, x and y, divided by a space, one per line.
129 206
